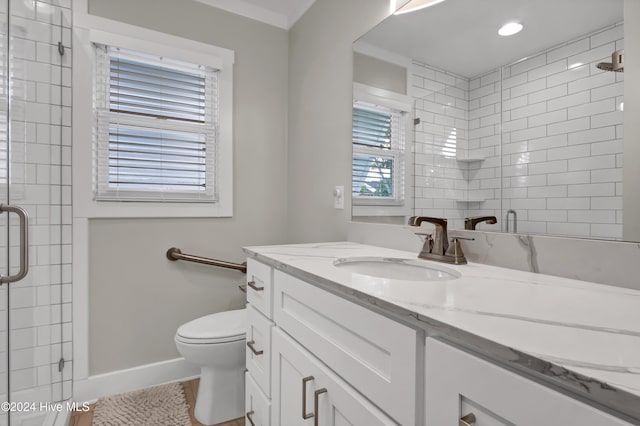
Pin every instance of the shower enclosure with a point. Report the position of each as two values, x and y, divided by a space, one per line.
35 178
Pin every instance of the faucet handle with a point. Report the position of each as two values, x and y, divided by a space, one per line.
423 234
427 240
455 251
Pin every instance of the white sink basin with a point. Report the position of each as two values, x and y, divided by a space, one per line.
396 269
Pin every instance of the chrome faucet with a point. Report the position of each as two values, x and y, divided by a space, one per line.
437 247
471 222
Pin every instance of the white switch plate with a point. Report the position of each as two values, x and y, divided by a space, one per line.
338 197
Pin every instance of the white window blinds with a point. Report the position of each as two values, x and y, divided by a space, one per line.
156 128
378 154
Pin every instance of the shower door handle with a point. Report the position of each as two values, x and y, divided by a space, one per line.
24 243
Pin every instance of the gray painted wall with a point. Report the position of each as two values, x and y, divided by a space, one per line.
320 102
380 74
631 178
137 297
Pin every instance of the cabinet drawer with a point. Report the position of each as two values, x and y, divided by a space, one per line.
259 349
458 383
259 286
375 354
257 406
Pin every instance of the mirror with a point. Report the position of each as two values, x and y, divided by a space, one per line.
524 127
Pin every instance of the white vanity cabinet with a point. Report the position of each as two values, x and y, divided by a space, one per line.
317 358
365 361
458 384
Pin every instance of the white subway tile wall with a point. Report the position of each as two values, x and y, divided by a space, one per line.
40 305
572 110
561 141
442 105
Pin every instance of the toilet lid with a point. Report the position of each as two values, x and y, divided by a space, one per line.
216 328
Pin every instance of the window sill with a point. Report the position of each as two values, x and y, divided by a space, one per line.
377 202
378 210
133 209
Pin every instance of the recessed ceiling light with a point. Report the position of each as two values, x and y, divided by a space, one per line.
414 5
510 28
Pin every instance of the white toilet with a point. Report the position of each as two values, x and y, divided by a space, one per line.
217 344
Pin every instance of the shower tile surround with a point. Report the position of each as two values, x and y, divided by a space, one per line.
561 142
40 317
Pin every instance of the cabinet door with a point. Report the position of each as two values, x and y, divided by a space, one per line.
337 403
258 408
258 351
458 384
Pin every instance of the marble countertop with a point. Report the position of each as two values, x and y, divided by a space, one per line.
583 337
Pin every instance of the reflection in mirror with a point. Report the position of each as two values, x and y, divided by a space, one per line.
525 127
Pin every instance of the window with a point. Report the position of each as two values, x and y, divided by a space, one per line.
152 123
378 154
156 128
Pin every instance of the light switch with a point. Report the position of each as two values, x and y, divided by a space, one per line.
338 197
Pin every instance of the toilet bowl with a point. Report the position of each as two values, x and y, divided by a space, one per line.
216 343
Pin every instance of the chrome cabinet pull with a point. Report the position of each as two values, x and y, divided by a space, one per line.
468 420
304 398
316 395
24 243
250 418
253 285
251 345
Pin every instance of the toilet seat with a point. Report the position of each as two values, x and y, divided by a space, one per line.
223 327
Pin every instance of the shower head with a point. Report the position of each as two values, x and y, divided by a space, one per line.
616 64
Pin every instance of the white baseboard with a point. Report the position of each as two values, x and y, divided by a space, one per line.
144 376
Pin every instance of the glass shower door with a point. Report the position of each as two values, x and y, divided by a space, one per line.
35 311
4 218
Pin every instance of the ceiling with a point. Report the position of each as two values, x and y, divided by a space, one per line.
461 36
280 13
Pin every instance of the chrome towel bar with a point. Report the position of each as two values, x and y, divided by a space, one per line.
174 254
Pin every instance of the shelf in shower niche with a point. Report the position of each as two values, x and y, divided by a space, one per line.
470 159
471 200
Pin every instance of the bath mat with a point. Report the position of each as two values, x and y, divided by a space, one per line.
163 405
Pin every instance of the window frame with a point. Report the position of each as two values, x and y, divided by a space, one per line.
88 30
378 206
